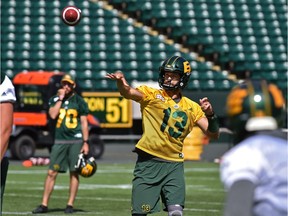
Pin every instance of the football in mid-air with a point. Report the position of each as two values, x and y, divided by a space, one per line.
71 15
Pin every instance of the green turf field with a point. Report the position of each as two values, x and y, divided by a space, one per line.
108 191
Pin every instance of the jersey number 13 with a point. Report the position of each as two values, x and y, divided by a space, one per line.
178 128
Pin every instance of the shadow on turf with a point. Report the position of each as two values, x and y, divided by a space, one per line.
75 210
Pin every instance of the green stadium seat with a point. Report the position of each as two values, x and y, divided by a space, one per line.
7 65
103 40
86 74
195 74
242 66
207 75
208 84
86 84
224 85
270 75
281 66
131 6
193 85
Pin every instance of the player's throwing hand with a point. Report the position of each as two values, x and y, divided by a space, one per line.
206 106
115 76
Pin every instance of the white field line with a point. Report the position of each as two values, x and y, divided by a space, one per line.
39 186
65 197
193 178
49 214
201 210
107 199
112 170
29 172
208 170
107 172
201 188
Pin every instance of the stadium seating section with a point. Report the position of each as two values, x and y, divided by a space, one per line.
223 39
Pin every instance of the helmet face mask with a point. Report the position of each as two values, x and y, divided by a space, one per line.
175 64
86 167
254 106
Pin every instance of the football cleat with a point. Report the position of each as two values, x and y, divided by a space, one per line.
40 209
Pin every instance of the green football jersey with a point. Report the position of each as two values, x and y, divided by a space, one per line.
166 123
68 125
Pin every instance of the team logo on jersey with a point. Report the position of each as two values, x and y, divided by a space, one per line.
159 96
176 106
181 155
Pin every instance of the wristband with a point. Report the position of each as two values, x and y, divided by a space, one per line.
210 116
213 124
85 141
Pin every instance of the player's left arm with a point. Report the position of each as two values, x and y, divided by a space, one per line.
209 124
85 134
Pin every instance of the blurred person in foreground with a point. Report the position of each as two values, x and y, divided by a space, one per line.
71 137
167 118
254 171
7 98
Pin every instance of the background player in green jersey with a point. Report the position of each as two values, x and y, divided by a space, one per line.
168 117
71 135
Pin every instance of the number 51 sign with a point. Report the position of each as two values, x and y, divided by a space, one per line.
110 108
